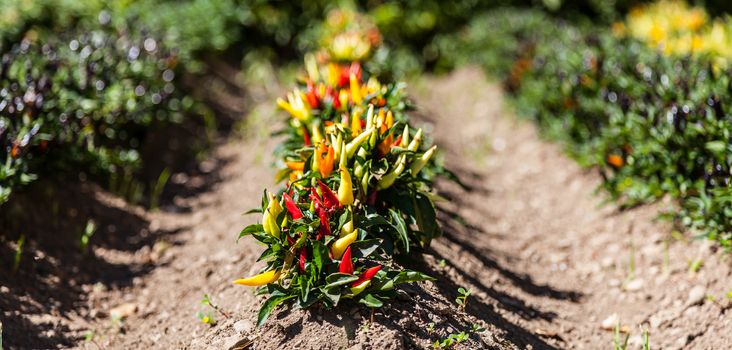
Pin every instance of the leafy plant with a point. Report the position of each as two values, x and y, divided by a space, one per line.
654 123
457 338
450 340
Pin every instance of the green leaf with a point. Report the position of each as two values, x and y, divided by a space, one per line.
338 279
320 255
372 220
401 228
371 301
362 249
333 295
256 228
425 217
253 211
408 276
269 306
716 146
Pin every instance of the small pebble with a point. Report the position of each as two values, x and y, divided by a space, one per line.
634 285
696 295
610 322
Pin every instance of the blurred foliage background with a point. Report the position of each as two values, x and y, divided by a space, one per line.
641 92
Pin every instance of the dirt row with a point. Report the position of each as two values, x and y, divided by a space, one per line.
548 266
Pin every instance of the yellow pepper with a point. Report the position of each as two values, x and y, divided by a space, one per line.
345 190
315 133
269 217
260 279
352 146
414 145
405 137
418 164
360 287
388 179
347 227
339 246
356 123
389 120
355 89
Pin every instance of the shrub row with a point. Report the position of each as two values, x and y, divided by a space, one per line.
358 185
81 100
653 122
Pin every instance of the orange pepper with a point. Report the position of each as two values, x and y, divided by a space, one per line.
385 145
326 165
295 165
615 160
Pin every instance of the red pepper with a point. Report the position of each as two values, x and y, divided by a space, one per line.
306 136
330 199
397 142
324 229
290 240
311 97
345 77
366 275
292 207
303 258
346 266
314 197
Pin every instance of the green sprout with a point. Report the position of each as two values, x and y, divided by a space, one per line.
462 300
18 253
89 230
158 188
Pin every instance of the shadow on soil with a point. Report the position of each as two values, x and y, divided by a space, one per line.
468 240
54 274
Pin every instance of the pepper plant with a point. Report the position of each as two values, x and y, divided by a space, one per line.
358 190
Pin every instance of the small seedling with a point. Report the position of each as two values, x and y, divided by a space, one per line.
729 294
442 263
18 253
431 327
89 337
452 339
695 265
646 341
158 188
208 317
462 300
618 343
476 328
86 235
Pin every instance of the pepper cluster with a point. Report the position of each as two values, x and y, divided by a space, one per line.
358 190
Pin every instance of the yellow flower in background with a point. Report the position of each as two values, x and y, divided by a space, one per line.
675 28
349 35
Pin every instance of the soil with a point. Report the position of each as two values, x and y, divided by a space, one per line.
548 265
